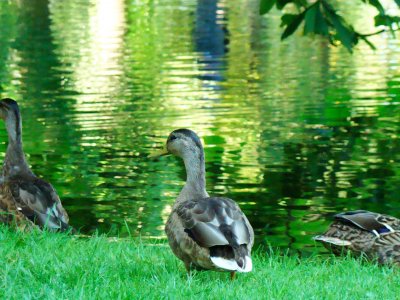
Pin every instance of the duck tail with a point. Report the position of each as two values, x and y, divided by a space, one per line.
331 240
233 257
242 258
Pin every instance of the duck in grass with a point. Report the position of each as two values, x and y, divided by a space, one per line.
24 198
206 233
364 232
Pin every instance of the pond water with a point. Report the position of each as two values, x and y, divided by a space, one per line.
294 131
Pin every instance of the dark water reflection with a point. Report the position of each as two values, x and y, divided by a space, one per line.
293 131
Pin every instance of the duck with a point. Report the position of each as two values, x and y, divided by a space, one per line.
206 233
25 199
364 232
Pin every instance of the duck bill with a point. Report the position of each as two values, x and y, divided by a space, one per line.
158 153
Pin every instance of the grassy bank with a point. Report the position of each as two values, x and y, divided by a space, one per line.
56 266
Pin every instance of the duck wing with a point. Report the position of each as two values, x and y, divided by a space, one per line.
360 231
9 214
218 224
39 202
369 221
214 222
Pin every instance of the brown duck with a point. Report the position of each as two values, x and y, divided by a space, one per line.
25 198
208 233
364 232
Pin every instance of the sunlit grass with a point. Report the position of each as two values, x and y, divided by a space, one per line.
41 265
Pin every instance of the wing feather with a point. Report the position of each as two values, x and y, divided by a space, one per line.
38 200
369 221
214 221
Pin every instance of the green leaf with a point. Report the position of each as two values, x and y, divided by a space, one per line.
381 20
310 20
294 24
281 3
314 21
286 19
368 42
385 20
397 2
345 33
322 26
266 5
301 3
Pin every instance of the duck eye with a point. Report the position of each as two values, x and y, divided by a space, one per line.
173 137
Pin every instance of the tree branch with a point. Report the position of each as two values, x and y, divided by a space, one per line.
375 33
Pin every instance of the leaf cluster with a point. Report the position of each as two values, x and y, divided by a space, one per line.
322 18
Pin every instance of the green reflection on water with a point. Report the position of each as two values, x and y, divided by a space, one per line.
293 131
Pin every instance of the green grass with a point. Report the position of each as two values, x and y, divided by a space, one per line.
43 265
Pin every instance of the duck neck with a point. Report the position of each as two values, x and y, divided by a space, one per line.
195 186
15 161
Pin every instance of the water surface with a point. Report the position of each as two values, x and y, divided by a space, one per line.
294 131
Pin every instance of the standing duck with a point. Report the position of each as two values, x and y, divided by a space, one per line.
25 198
364 232
210 233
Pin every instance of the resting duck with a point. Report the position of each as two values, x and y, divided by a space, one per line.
25 198
208 233
361 231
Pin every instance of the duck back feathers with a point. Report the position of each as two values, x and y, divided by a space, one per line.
369 221
218 224
39 202
214 222
376 235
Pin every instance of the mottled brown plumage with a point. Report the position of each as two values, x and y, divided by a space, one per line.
205 232
363 232
25 200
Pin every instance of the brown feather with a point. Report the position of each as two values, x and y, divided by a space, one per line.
36 200
364 232
205 232
209 227
23 195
